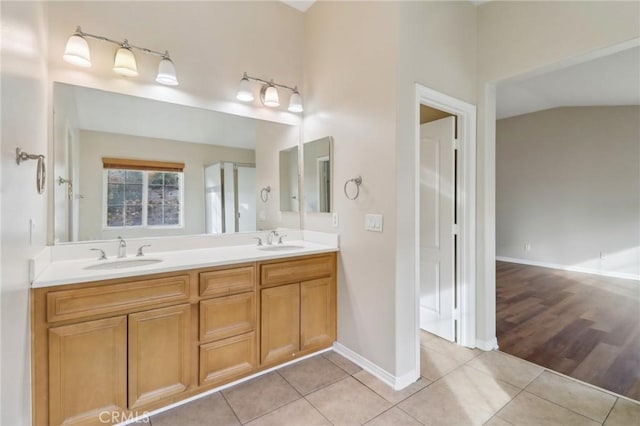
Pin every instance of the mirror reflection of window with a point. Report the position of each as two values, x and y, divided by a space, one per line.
140 193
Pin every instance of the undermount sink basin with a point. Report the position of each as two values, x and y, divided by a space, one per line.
126 263
280 247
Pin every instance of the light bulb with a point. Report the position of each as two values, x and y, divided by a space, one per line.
125 62
77 51
245 90
167 72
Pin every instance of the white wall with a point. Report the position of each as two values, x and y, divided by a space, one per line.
366 102
516 38
24 124
567 183
350 68
95 145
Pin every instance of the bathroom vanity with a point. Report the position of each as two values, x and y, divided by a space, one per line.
144 340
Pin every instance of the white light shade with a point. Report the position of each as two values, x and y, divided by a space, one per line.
270 96
167 73
295 102
77 51
245 90
125 63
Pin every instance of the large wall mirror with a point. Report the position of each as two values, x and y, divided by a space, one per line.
318 175
134 167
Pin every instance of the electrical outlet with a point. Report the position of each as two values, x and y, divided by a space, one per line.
334 220
527 247
603 255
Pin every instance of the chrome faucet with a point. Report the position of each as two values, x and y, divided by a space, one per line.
270 237
122 248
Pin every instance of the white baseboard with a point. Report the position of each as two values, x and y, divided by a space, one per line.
395 382
592 271
487 345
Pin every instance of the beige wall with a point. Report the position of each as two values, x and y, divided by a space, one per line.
95 145
516 38
211 44
366 102
351 50
24 124
567 183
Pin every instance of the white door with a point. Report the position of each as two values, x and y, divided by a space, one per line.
437 200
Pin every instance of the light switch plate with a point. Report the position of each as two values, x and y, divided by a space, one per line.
373 222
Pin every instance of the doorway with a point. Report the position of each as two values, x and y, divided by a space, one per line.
445 217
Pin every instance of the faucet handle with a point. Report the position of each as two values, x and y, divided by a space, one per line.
140 253
281 237
259 240
102 255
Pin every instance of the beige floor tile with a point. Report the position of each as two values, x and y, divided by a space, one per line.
348 402
210 410
386 391
506 368
394 417
497 421
260 396
449 349
575 396
342 362
463 397
624 413
529 410
425 337
296 413
312 374
434 365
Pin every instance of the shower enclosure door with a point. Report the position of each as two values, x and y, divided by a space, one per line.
230 200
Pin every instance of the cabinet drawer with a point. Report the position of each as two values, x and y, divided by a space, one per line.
227 359
227 281
296 270
83 302
227 316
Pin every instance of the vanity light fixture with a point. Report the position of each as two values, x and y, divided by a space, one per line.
77 53
268 93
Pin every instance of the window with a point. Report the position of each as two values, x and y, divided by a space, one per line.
142 198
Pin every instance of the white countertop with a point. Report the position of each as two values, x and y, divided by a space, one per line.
74 271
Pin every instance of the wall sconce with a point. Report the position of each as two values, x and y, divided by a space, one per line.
268 93
77 53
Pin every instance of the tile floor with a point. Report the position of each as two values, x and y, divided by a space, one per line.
459 386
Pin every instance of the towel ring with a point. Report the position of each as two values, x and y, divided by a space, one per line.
358 181
264 194
41 175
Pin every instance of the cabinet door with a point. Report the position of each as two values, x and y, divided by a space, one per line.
280 323
87 370
227 359
158 354
317 313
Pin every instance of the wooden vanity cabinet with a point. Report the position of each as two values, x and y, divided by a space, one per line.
298 307
131 345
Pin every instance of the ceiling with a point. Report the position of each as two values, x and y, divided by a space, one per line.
609 80
301 5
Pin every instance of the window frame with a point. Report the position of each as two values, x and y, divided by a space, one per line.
145 201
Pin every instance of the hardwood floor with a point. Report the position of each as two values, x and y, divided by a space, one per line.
582 325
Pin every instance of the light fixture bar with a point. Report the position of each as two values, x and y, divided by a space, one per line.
271 82
268 93
126 43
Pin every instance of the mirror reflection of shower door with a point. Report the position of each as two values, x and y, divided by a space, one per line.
246 198
324 184
230 200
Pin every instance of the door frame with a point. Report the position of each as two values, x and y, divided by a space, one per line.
466 205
